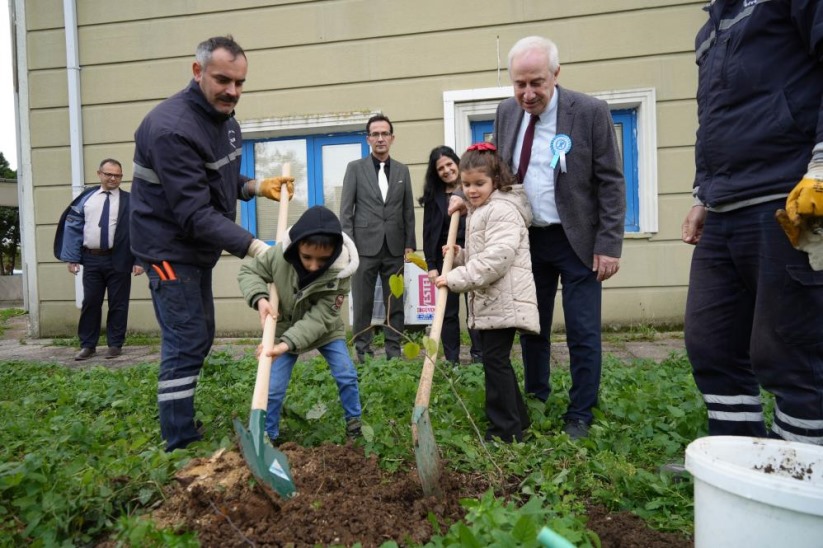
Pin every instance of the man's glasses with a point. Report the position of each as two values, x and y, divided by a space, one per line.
111 175
379 134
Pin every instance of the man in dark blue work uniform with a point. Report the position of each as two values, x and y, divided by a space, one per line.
186 185
754 304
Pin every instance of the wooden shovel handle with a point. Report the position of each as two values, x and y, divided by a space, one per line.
260 398
283 216
425 386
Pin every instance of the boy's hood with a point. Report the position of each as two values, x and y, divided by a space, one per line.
346 263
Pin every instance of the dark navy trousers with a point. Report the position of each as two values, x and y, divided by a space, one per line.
753 319
553 260
100 277
185 312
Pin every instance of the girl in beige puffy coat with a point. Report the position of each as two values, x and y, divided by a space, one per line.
495 268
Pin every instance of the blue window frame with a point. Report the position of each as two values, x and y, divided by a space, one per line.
482 131
248 213
625 125
315 159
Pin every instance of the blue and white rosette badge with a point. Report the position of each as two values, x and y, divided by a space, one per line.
560 145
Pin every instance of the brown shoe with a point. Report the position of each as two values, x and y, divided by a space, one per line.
84 354
113 352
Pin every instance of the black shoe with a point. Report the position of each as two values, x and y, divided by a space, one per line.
504 438
353 428
85 353
365 357
576 429
113 352
477 358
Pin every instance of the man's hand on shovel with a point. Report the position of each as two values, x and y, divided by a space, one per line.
802 220
271 187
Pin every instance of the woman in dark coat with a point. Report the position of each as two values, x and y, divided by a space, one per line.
442 178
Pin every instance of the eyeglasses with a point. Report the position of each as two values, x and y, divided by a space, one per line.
379 134
111 175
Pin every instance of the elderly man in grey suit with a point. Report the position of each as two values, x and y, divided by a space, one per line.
562 146
377 212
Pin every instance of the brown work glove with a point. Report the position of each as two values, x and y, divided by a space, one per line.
270 187
804 204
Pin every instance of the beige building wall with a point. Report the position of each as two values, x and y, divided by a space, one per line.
334 62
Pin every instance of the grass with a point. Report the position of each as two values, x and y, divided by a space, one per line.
81 451
6 314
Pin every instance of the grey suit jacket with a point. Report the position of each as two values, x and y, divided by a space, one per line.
366 219
591 195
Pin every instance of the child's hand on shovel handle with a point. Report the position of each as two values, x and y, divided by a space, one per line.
454 248
276 351
264 309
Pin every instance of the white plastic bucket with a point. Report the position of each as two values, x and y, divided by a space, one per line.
756 492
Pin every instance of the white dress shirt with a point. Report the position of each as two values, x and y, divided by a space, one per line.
92 210
539 180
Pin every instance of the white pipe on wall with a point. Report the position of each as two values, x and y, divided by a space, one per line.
78 174
75 104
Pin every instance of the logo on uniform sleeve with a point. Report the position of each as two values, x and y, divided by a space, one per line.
338 302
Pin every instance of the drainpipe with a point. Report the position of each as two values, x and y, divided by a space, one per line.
75 119
75 105
25 188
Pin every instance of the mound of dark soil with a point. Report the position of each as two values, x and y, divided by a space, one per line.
344 498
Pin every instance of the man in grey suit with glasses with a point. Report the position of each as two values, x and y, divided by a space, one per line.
377 212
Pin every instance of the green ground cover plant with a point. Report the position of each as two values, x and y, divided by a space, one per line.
81 456
6 314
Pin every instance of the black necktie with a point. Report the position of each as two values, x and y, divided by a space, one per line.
526 150
104 223
383 181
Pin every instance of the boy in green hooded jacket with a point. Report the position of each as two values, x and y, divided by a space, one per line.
312 269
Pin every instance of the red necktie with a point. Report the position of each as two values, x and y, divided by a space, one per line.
526 150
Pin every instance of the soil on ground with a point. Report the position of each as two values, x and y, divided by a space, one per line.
343 498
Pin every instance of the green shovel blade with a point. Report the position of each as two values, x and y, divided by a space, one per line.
269 466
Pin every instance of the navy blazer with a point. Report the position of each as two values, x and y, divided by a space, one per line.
68 241
591 195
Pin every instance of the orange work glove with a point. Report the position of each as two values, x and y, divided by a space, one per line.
804 204
270 187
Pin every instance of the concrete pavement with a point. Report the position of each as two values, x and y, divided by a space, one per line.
16 346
